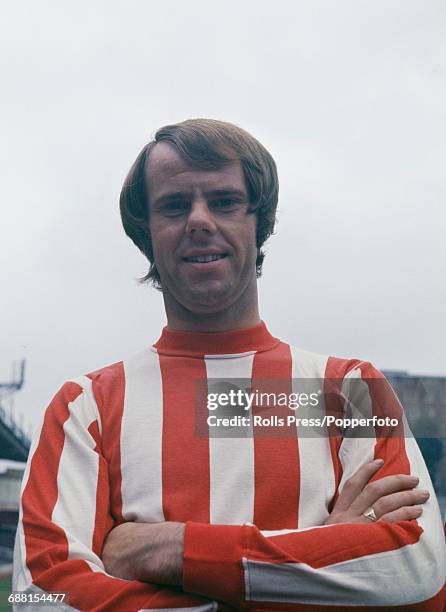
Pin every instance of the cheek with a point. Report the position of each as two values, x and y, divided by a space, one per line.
251 241
163 243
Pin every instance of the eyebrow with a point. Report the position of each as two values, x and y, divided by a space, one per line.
180 195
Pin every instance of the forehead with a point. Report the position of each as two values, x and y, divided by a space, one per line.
167 172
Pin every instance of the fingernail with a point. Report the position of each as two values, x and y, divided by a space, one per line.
425 494
414 478
379 461
418 509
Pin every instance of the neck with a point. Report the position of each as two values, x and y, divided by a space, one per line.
242 314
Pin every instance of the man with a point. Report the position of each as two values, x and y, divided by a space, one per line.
127 506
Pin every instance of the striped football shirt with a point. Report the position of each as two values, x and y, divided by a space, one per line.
122 444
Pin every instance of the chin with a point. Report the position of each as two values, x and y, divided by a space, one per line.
207 305
208 300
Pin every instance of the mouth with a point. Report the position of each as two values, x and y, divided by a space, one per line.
205 259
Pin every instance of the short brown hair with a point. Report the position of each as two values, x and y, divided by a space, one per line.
205 144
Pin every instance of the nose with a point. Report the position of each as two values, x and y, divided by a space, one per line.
200 221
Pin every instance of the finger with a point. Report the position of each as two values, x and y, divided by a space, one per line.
392 502
356 483
408 513
380 488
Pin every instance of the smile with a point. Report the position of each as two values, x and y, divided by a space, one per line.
204 258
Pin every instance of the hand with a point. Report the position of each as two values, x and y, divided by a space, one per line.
150 552
393 498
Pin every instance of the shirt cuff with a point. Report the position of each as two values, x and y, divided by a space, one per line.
213 564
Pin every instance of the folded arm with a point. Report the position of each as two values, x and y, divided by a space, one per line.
65 517
397 561
347 561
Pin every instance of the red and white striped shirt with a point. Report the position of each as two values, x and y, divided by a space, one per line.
120 444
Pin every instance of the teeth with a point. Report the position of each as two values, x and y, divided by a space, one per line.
204 258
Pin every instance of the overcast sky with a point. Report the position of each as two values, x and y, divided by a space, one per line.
349 97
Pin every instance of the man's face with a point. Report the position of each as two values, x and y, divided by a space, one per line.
204 239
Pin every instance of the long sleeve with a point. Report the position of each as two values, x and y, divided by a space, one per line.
399 565
65 516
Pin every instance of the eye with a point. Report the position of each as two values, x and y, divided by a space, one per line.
175 208
224 203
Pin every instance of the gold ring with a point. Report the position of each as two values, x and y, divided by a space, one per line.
370 515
